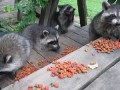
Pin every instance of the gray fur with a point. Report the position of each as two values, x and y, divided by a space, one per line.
64 18
40 37
14 52
106 23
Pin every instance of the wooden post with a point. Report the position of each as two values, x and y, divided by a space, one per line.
45 14
52 10
82 12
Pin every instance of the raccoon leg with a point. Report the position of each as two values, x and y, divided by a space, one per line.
62 31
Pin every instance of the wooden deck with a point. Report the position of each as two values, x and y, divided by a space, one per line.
71 38
106 70
77 36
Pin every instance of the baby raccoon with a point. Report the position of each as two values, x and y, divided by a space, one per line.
42 38
14 52
106 23
64 17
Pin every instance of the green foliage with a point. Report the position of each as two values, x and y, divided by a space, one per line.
114 1
27 7
8 8
4 25
111 1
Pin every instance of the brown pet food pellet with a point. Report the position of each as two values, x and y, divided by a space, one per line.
92 63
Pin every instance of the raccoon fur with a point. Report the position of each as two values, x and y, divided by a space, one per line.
14 52
42 37
106 24
64 17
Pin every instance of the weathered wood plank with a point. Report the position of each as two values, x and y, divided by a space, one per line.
77 82
69 42
50 54
110 80
77 38
80 31
86 28
34 58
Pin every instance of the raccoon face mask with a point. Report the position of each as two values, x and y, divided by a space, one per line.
5 61
111 14
50 40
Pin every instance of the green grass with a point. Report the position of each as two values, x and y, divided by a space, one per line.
93 6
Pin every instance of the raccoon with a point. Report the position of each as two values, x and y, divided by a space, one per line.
106 23
14 52
42 37
64 17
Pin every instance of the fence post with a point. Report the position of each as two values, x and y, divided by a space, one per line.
82 9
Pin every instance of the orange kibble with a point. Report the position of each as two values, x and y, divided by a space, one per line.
68 69
86 49
92 63
46 88
61 76
40 85
57 85
30 88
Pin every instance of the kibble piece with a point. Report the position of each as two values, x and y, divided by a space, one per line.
92 63
46 88
30 88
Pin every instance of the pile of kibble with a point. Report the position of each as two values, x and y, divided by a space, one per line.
67 69
68 50
41 87
26 70
105 45
38 87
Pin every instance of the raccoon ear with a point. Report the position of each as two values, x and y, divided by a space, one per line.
72 9
7 59
45 33
56 27
60 6
105 5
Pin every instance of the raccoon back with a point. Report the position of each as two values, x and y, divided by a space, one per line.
15 45
32 32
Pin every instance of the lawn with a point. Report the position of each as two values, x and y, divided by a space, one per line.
93 6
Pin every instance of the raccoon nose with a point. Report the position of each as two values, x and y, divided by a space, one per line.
56 48
118 23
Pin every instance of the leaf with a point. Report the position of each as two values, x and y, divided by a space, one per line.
118 2
8 8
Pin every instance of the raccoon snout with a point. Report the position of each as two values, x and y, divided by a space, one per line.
118 23
55 48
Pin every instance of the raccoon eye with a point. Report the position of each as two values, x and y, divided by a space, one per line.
7 59
112 16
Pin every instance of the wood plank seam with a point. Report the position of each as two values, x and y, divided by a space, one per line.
100 73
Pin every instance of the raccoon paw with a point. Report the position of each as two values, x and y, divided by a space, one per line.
63 31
